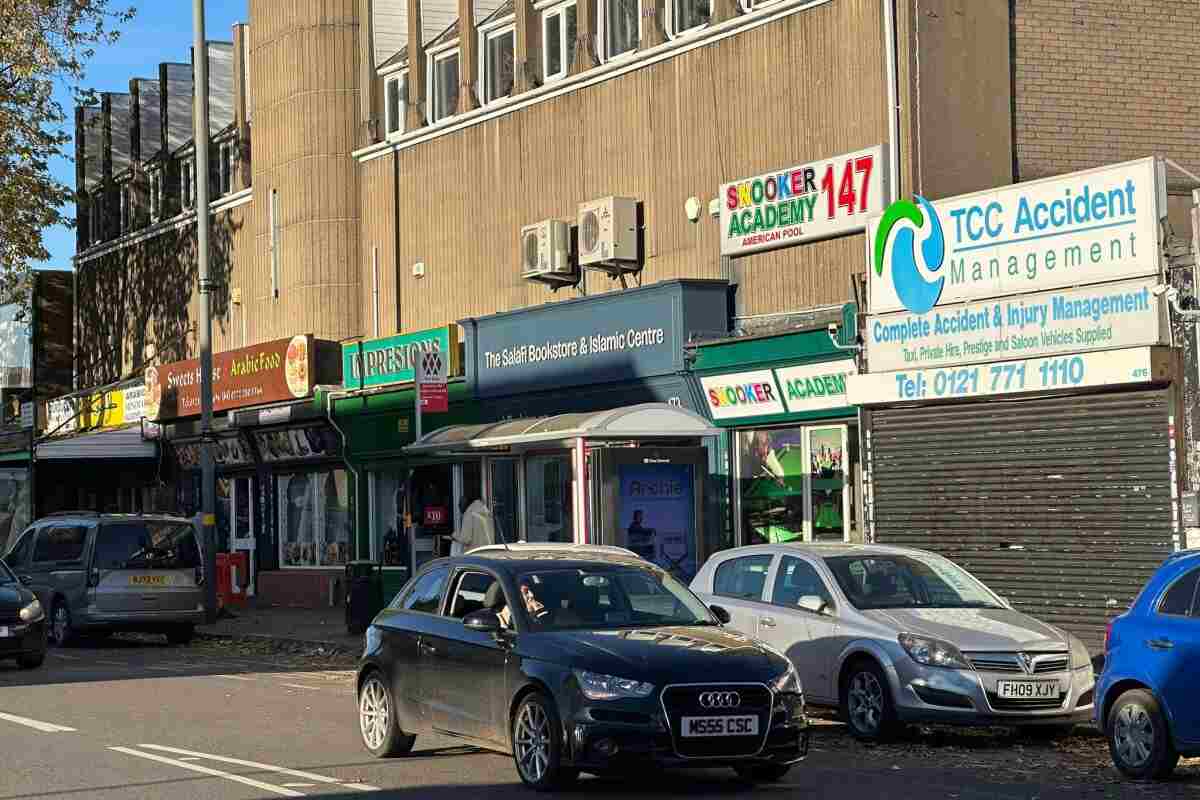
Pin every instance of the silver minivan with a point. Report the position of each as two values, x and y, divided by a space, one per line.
102 573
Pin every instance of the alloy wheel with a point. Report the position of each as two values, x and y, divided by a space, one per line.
865 702
1134 735
373 713
532 741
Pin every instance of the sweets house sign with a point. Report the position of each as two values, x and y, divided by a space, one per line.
267 373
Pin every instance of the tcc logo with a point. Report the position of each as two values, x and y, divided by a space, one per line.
914 291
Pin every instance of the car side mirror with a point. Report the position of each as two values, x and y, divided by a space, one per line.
813 603
721 614
26 579
485 620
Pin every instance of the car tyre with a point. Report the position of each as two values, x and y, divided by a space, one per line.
762 773
537 745
377 721
1139 738
181 634
60 631
31 660
866 703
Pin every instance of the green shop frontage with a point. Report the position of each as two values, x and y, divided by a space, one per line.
792 437
407 507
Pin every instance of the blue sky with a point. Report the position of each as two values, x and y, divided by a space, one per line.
161 31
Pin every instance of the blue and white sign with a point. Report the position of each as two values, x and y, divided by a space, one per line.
1087 227
1101 317
1082 371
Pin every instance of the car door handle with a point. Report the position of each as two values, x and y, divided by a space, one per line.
1159 644
767 622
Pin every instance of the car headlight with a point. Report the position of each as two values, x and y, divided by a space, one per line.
609 687
788 682
1080 657
32 612
932 652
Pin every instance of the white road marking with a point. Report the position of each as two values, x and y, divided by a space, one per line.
44 727
300 686
299 785
295 773
366 787
164 668
216 773
234 677
68 658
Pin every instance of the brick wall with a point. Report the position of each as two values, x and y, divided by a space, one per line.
1101 81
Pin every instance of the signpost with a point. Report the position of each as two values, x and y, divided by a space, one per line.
432 395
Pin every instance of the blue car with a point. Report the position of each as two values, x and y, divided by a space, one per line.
1147 702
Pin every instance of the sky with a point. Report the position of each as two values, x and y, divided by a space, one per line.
161 31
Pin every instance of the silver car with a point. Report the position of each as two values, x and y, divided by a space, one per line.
100 573
893 635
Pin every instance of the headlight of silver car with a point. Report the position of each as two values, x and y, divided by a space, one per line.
788 682
609 687
1080 657
32 612
932 652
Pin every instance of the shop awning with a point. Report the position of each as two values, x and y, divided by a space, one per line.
644 421
123 443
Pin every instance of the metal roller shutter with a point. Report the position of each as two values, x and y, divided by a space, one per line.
1062 505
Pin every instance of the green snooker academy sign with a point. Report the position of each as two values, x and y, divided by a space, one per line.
784 390
392 359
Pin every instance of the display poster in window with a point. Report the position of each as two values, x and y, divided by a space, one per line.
228 451
658 517
771 482
298 444
827 457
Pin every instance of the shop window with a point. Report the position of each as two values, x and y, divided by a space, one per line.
742 578
688 15
14 505
498 63
558 40
315 518
620 26
548 494
443 84
396 96
389 538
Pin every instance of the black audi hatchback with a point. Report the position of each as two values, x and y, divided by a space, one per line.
575 659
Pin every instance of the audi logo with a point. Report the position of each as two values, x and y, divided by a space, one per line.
720 700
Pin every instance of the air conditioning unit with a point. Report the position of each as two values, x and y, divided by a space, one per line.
608 235
546 253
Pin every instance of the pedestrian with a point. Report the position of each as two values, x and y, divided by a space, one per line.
478 528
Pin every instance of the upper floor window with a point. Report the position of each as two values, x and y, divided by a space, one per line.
187 183
497 49
688 15
126 206
97 222
155 192
227 157
443 84
558 40
396 97
750 5
621 25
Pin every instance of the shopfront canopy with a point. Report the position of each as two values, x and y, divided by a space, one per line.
644 421
123 443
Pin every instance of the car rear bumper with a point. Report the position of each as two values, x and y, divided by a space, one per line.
138 620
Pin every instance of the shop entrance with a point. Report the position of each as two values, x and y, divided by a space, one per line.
798 484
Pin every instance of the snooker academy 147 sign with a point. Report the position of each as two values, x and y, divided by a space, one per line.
811 201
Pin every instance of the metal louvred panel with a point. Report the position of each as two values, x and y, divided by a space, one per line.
1062 505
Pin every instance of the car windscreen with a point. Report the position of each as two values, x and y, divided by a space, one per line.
907 581
607 597
146 545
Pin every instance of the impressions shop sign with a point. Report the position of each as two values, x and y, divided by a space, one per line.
393 358
1104 317
806 202
268 373
1073 230
790 390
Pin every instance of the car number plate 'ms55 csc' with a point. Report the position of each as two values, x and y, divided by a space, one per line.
695 727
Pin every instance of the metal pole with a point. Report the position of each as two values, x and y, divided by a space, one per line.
208 487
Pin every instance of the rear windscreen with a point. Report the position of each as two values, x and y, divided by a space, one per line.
146 545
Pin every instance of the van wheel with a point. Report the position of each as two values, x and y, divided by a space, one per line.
1138 737
60 631
181 634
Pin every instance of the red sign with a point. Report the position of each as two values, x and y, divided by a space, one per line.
436 515
434 398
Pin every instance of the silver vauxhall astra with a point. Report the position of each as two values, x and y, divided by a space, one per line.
893 635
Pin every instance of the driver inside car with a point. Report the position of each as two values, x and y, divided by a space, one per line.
537 610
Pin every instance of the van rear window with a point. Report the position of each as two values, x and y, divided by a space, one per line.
147 545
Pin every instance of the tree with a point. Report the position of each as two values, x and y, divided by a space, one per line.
43 44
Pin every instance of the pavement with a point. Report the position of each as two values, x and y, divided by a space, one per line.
131 717
321 626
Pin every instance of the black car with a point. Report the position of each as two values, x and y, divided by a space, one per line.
22 622
575 660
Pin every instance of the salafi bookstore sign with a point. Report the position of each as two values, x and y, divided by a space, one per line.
817 200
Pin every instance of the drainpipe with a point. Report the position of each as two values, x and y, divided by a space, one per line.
893 69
